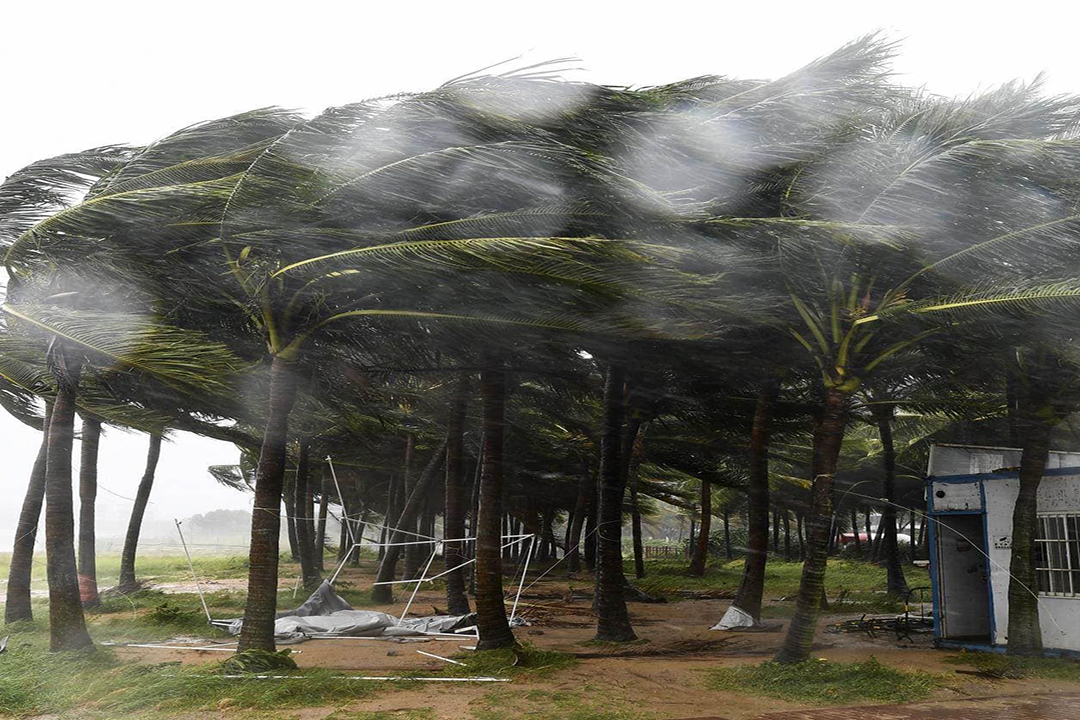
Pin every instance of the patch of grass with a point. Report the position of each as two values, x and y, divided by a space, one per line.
34 682
259 661
823 682
528 661
998 665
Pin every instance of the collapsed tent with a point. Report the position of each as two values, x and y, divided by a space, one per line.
327 614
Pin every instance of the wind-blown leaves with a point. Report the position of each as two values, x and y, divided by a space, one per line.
177 357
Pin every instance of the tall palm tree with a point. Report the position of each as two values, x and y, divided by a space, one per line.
138 509
491 622
457 603
67 626
88 466
612 618
17 605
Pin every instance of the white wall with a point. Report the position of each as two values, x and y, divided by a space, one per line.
1058 617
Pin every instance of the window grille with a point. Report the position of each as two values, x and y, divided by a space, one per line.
1057 555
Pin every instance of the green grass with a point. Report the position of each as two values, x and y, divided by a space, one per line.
865 581
34 682
998 665
530 662
822 682
159 567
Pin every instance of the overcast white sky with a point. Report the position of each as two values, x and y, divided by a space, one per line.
82 74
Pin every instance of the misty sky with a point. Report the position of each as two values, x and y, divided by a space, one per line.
79 75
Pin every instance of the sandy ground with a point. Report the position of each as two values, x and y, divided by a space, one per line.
667 686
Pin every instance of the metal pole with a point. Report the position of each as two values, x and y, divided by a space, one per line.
418 581
524 572
193 575
344 510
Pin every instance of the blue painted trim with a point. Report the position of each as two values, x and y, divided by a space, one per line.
932 557
989 569
1048 652
946 643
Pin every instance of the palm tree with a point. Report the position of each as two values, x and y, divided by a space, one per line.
752 586
454 520
491 622
142 497
88 461
67 627
895 581
304 510
612 618
18 606
700 555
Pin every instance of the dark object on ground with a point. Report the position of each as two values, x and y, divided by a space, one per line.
634 594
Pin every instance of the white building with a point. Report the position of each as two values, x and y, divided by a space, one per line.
971 491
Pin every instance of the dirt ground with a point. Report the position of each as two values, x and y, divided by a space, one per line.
665 679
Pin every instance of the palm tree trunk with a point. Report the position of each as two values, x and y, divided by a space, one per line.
505 530
288 493
547 534
320 529
566 534
474 515
457 603
302 504
869 531
412 552
577 522
91 436
875 550
494 630
1025 633
828 436
855 530
787 535
142 497
635 510
635 529
896 584
67 625
802 537
612 617
701 549
727 533
387 568
261 606
392 489
589 541
343 539
18 605
752 586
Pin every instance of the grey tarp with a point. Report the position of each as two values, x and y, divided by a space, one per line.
326 613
